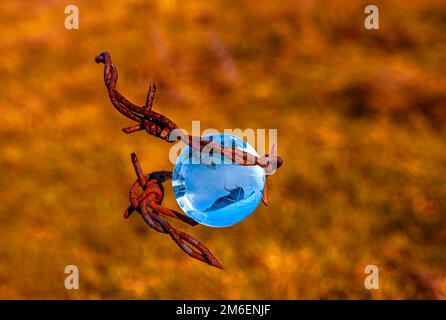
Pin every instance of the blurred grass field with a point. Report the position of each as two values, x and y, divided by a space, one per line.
360 115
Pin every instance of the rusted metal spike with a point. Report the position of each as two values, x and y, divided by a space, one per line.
132 129
150 97
138 170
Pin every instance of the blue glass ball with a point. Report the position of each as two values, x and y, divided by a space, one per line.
212 189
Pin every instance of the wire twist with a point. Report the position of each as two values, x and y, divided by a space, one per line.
146 195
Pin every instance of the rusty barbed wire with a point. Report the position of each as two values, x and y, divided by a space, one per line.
162 127
148 202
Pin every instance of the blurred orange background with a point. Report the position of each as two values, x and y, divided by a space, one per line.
360 116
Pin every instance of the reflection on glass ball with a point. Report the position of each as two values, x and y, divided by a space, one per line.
213 190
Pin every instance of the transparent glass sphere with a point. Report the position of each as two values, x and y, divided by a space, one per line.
213 190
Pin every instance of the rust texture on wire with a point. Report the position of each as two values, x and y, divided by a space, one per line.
146 195
148 202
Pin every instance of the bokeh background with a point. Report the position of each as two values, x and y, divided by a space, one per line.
361 118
